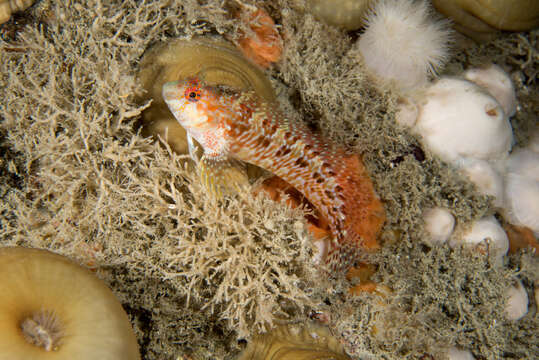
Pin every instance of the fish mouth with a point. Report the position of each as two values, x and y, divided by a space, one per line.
171 90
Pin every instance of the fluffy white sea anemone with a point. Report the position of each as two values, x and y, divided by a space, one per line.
403 43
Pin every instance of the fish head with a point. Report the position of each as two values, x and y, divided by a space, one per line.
191 102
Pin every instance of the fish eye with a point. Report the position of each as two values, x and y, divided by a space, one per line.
192 95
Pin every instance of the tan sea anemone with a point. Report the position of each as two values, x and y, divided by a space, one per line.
480 18
8 7
215 60
347 14
51 308
295 342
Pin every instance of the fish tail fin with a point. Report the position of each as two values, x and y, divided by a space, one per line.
364 211
341 257
364 215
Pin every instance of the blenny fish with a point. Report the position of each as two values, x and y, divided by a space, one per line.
233 125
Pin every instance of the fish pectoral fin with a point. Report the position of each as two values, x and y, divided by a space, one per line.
193 148
222 175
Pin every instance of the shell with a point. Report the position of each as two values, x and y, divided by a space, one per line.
213 59
8 7
294 342
478 18
347 14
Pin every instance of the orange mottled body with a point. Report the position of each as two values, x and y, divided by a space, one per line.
240 125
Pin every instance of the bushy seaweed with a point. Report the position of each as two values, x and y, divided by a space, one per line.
97 191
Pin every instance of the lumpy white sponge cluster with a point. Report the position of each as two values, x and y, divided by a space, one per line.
465 125
517 302
402 44
439 225
455 353
486 235
487 179
458 120
465 122
522 188
497 83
